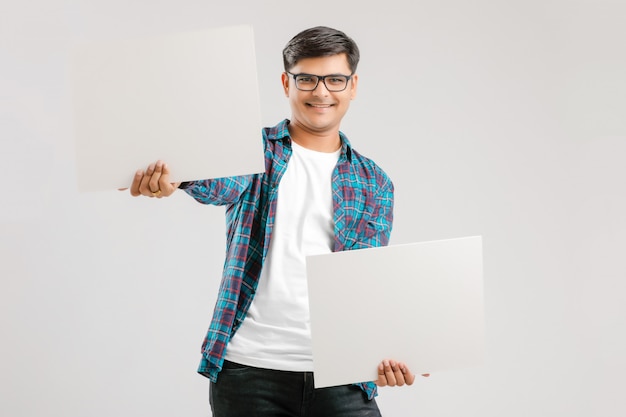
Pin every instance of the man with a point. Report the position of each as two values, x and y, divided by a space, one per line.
317 195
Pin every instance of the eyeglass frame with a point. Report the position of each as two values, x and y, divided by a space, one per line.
321 78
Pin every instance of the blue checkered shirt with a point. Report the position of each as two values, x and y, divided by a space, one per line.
363 216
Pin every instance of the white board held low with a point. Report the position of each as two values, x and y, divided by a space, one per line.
419 303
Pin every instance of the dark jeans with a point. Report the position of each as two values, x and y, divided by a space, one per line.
244 391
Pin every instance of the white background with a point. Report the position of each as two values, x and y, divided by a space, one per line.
504 119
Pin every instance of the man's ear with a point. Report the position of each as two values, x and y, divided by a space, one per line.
284 79
353 88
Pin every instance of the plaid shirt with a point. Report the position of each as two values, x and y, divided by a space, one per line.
363 215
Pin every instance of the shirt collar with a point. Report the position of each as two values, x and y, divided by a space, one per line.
281 131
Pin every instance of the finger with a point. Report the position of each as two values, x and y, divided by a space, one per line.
397 372
389 374
134 187
407 375
381 381
144 186
156 176
165 186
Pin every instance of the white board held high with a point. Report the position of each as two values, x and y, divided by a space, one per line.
190 99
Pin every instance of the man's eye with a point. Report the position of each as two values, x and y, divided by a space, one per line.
336 80
305 80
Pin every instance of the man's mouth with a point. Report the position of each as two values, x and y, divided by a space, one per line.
319 106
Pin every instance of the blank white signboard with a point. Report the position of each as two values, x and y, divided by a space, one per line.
189 99
419 303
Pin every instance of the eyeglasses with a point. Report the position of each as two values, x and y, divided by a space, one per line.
333 82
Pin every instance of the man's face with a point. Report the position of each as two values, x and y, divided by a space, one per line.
319 111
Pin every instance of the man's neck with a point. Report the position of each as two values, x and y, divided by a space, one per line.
320 142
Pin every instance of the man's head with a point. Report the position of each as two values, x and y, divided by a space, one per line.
318 42
320 80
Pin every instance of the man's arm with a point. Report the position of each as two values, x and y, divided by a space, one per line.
390 372
155 182
377 229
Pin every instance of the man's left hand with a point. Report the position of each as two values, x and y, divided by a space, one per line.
392 373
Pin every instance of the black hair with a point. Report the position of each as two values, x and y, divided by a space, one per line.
317 42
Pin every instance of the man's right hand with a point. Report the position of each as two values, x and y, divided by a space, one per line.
153 182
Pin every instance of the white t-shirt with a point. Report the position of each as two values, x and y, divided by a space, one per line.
276 332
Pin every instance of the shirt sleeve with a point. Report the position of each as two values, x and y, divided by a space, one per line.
219 191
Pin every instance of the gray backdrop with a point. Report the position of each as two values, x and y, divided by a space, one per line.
501 119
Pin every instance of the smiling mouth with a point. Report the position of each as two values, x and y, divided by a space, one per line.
319 106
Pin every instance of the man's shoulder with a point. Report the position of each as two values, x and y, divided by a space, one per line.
367 163
278 131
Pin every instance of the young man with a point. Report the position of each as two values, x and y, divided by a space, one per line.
317 195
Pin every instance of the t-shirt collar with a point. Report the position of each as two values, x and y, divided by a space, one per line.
281 131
